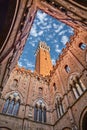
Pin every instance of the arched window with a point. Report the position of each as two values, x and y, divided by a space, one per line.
54 85
15 83
12 105
16 108
35 112
77 87
44 113
40 112
59 107
40 90
82 46
5 108
84 122
67 68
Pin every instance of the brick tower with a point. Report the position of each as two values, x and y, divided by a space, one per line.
43 60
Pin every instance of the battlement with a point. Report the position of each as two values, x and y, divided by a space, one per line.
42 45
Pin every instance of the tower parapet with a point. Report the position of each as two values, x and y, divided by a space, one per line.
42 45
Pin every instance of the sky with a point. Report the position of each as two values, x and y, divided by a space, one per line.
47 29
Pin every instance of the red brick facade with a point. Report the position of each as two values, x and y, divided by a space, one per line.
63 94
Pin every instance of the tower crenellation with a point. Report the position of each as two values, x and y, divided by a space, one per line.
42 45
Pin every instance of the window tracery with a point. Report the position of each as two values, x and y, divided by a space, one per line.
77 86
12 104
59 107
40 111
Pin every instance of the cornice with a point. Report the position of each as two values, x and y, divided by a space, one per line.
34 74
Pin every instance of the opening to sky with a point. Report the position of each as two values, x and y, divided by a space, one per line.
47 29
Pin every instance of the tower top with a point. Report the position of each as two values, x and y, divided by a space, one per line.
42 45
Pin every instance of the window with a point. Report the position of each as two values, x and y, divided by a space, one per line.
11 105
59 107
16 108
82 46
6 106
77 87
36 112
40 112
40 90
14 85
67 68
54 85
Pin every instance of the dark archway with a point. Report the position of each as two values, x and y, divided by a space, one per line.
84 122
7 12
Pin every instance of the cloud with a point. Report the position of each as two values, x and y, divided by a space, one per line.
57 49
59 28
20 63
71 30
55 41
33 31
41 16
30 65
64 39
25 63
33 44
55 25
47 29
40 33
62 32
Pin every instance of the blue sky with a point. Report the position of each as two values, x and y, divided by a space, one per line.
47 29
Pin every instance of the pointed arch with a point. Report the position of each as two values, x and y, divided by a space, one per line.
75 85
40 109
12 104
59 106
83 119
12 92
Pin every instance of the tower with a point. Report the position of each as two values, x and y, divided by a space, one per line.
43 60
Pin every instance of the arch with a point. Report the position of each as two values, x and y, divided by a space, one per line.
83 120
40 111
59 106
71 76
14 84
57 95
12 92
7 25
12 104
76 85
40 99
